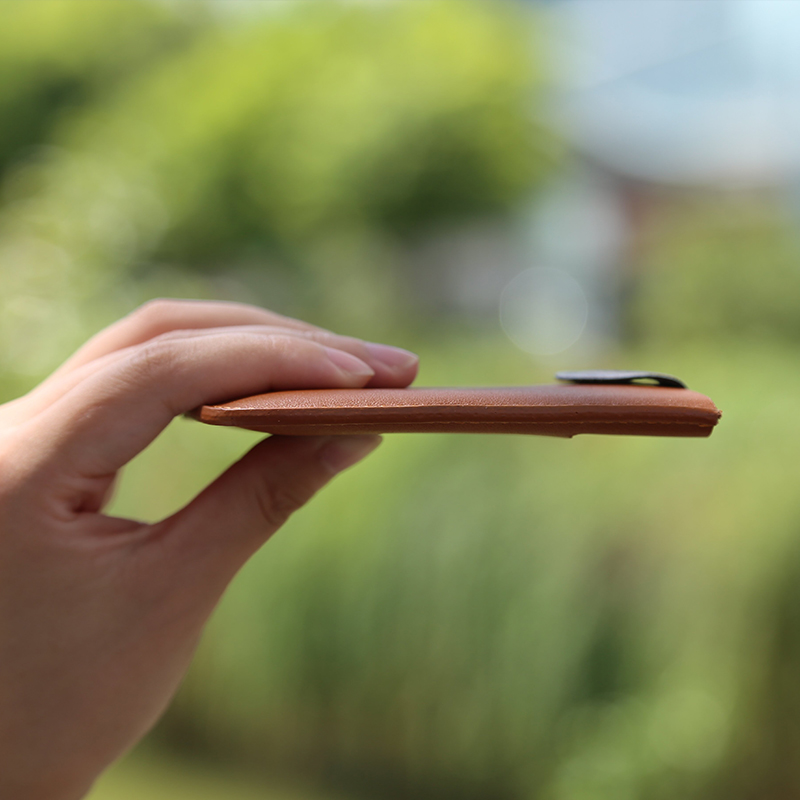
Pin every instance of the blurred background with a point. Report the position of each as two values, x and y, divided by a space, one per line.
509 188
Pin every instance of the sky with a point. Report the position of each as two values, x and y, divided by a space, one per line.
682 91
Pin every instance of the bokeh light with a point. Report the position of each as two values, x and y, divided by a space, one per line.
544 311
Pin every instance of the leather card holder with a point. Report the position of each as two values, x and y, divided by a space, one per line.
607 407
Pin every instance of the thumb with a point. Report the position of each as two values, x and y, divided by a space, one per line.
227 522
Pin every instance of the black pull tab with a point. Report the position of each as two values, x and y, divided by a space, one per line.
613 376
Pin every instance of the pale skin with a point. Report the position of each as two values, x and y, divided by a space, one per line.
100 616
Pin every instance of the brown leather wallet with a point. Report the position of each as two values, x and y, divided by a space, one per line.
591 406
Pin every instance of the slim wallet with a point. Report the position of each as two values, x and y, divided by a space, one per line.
627 403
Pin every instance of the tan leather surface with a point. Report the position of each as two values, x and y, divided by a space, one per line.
552 410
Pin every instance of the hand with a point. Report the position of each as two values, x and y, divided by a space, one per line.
100 616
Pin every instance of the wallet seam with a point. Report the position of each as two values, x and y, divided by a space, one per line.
460 423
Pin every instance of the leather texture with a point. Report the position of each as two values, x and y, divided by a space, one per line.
552 410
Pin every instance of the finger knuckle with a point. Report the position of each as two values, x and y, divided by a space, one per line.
158 316
156 310
277 502
282 341
284 345
152 360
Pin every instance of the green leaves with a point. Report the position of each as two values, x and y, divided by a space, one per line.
300 142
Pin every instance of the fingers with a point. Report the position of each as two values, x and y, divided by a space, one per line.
153 319
161 316
109 417
222 527
393 367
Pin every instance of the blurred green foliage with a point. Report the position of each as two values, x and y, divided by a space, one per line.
490 617
390 117
148 774
467 617
59 57
726 271
314 135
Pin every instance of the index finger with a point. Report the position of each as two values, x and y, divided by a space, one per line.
164 315
107 419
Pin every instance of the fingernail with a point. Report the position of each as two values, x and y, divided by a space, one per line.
349 363
344 451
394 357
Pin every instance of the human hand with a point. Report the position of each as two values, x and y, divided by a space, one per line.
100 616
